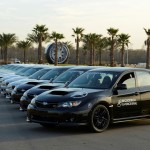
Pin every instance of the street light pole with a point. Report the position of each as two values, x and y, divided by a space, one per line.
127 55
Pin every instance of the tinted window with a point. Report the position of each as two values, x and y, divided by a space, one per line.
68 76
39 74
95 80
31 71
143 78
54 73
129 80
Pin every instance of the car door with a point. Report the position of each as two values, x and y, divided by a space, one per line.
126 97
143 78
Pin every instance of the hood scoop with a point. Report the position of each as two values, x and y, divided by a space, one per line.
33 83
59 92
46 87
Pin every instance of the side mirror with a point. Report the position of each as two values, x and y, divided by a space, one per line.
121 87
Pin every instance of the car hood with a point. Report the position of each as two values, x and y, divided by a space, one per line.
44 87
68 94
23 81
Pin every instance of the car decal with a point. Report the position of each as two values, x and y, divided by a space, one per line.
126 102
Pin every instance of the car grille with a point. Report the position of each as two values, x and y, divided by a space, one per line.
46 104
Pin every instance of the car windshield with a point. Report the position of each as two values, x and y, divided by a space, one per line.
21 72
95 80
39 74
54 73
68 76
31 71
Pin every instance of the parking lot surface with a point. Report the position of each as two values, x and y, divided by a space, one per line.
17 134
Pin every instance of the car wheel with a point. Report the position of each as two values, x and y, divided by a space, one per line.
99 118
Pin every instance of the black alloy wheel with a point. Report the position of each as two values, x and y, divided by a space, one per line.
99 118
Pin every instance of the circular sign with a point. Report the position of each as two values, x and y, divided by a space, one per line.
63 53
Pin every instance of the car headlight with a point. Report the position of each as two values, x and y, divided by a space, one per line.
69 104
79 94
22 90
15 89
25 94
33 101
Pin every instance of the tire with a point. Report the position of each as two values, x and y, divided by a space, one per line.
49 57
99 118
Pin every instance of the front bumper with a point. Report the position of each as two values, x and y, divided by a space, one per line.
57 116
8 93
24 102
3 89
16 98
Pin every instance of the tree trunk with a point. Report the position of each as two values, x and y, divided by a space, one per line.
56 53
1 52
93 56
77 51
24 55
5 55
122 56
112 53
100 57
40 52
148 54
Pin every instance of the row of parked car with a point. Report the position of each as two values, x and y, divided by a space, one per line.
77 95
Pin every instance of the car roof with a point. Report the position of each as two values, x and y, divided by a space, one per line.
119 69
84 67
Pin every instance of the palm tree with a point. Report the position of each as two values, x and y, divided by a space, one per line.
38 36
112 32
1 49
147 42
123 40
102 45
78 32
68 44
56 36
25 45
6 41
87 45
85 51
91 40
94 38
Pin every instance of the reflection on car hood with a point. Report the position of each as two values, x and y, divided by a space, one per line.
64 91
54 84
64 94
15 83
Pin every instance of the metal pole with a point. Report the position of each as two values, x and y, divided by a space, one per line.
127 56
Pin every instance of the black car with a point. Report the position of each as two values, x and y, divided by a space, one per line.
96 98
61 81
19 90
24 75
35 76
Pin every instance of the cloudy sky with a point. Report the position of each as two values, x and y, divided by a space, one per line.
95 16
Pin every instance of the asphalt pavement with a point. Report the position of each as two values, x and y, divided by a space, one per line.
17 134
